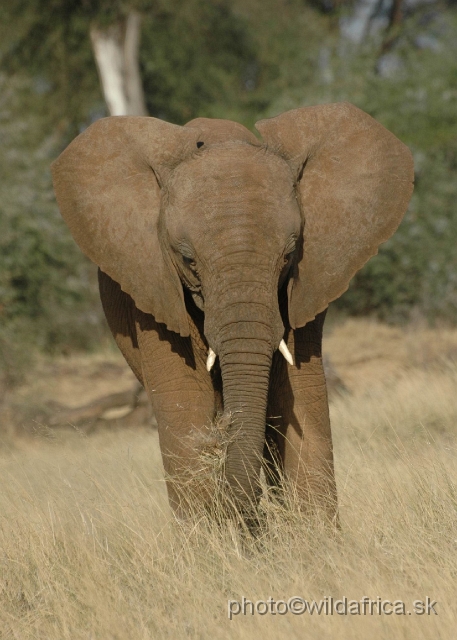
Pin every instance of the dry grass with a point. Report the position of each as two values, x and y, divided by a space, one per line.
88 548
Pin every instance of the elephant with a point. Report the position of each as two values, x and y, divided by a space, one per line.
218 254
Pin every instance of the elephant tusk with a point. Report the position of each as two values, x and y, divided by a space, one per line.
285 352
211 359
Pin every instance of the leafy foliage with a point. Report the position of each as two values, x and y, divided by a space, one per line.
47 290
207 69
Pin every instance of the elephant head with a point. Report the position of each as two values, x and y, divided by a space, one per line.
211 208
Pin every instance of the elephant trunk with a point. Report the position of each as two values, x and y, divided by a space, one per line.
245 378
244 333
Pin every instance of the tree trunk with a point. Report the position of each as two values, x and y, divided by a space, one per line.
116 49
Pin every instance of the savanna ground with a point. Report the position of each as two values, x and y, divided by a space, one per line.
88 547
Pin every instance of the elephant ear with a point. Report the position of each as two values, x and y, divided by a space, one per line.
108 187
354 181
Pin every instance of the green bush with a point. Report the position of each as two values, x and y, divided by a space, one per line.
48 296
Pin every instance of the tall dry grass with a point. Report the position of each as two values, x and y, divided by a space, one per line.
88 547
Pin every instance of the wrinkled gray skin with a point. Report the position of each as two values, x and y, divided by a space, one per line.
234 258
234 270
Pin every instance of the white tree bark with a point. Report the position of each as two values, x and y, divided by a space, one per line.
134 86
116 49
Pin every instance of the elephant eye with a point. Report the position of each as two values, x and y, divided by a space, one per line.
190 262
288 257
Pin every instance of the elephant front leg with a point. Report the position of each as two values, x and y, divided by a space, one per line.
182 395
299 415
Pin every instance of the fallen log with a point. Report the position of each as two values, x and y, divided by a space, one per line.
138 411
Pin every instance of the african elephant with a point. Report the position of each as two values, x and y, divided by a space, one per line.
218 255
